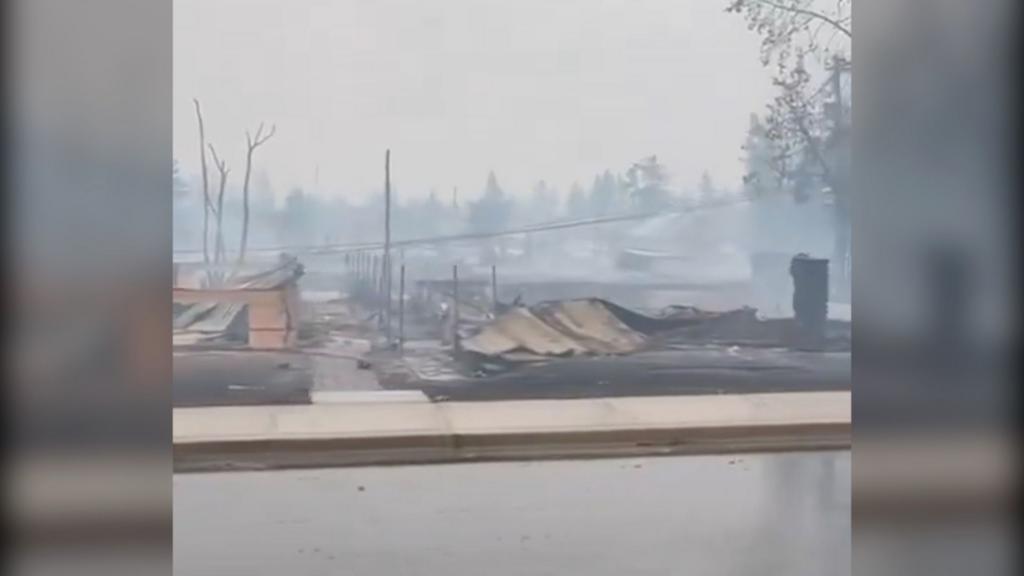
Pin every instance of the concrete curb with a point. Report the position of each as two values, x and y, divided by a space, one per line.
363 433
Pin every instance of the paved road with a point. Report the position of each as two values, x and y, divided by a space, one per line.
695 515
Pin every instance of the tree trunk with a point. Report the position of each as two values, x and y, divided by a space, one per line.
206 186
251 145
245 207
841 255
219 249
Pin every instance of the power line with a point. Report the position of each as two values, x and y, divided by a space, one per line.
543 227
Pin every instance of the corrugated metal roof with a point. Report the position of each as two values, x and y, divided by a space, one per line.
562 328
289 270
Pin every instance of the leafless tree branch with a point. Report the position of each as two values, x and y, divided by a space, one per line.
207 206
809 13
222 168
251 144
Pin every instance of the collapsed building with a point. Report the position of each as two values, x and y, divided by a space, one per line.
259 309
591 326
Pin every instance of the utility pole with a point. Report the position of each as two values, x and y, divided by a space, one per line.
401 309
456 345
494 289
840 189
387 245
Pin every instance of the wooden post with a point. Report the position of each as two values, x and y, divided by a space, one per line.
387 245
494 289
456 345
401 309
385 292
374 268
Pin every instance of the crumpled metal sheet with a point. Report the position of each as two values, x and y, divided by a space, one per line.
561 328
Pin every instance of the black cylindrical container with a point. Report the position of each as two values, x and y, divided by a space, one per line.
810 297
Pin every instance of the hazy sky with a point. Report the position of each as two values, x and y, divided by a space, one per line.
533 89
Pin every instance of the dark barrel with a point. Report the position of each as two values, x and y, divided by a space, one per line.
810 298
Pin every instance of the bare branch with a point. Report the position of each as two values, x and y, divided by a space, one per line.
260 140
222 168
810 13
207 205
220 164
251 143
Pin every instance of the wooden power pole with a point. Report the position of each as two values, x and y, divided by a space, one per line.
387 245
456 345
840 185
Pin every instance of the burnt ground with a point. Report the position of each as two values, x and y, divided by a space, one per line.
691 371
226 378
677 367
240 377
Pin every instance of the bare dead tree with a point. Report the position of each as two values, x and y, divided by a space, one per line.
222 168
252 143
206 186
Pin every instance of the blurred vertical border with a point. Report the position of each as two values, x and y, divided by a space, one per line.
935 282
88 178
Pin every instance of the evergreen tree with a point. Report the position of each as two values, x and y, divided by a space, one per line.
706 189
604 195
492 211
646 182
576 205
544 203
761 178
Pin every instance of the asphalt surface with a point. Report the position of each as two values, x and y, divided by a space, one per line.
732 515
246 377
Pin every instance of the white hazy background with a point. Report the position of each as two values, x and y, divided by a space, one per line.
534 89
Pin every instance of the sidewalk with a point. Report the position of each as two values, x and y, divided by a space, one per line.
367 429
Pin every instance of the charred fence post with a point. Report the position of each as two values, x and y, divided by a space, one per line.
456 345
810 299
401 309
374 278
386 283
494 290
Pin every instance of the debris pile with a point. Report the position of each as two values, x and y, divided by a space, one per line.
259 309
591 327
